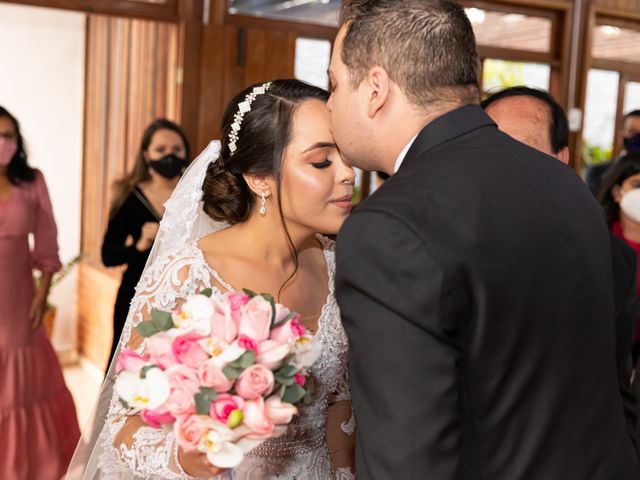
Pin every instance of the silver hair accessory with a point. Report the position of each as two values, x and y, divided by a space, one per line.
244 107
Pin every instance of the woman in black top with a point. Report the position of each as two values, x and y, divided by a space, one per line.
137 209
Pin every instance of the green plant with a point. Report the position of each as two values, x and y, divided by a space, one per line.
595 154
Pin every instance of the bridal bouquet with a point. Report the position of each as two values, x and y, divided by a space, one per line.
224 373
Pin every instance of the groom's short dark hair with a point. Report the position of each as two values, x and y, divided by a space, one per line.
426 46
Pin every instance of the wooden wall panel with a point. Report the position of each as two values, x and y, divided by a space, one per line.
131 78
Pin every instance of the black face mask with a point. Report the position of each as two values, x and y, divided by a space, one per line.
632 144
169 166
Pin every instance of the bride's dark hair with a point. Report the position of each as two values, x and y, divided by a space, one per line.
263 137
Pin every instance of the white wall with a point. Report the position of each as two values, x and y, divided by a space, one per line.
42 84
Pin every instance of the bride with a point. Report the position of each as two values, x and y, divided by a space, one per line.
246 215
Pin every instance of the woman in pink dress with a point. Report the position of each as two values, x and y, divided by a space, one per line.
38 425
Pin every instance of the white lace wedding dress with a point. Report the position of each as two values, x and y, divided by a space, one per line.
301 453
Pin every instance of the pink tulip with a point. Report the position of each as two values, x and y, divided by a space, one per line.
247 343
271 353
256 418
223 326
188 431
224 405
255 381
188 351
256 319
131 361
300 379
236 302
212 376
156 418
280 413
291 330
159 346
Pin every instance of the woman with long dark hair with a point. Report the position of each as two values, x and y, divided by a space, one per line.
38 425
137 208
248 213
619 194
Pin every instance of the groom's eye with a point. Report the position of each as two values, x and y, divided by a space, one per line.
321 165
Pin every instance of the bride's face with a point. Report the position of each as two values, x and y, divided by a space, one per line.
317 186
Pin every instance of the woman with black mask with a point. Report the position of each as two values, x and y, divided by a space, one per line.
137 209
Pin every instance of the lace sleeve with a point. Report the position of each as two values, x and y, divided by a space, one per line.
129 445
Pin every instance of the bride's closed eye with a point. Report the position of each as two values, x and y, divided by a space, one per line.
326 164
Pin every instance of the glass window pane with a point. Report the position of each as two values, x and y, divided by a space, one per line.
614 43
499 74
323 12
600 114
510 30
631 97
312 61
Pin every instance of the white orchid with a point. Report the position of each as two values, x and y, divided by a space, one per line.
222 353
194 316
218 445
149 392
307 351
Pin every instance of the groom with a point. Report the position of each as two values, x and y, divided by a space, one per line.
475 285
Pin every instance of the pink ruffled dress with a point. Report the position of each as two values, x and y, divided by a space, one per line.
38 424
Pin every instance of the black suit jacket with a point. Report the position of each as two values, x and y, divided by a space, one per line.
476 290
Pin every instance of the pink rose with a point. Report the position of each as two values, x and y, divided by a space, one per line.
182 376
256 319
300 379
290 330
236 302
224 405
271 353
155 418
180 402
254 382
223 325
188 431
247 343
280 413
159 346
281 312
188 351
212 376
256 418
131 361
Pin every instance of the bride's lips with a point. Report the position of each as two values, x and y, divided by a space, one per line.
344 202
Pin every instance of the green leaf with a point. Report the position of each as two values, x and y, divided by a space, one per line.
251 293
308 398
203 404
123 403
293 394
269 298
145 369
231 372
282 380
207 292
146 329
161 320
310 385
209 393
247 359
287 318
287 371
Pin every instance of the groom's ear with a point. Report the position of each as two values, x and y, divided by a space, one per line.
258 184
378 85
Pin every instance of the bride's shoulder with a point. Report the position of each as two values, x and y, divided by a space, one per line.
177 261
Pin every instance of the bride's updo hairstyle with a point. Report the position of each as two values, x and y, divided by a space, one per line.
264 134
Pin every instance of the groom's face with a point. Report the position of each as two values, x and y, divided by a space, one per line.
348 124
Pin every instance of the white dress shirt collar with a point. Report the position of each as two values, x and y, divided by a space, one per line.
403 154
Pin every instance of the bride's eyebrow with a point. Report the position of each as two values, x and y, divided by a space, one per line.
320 145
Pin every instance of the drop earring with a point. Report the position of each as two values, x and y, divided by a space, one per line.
263 204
